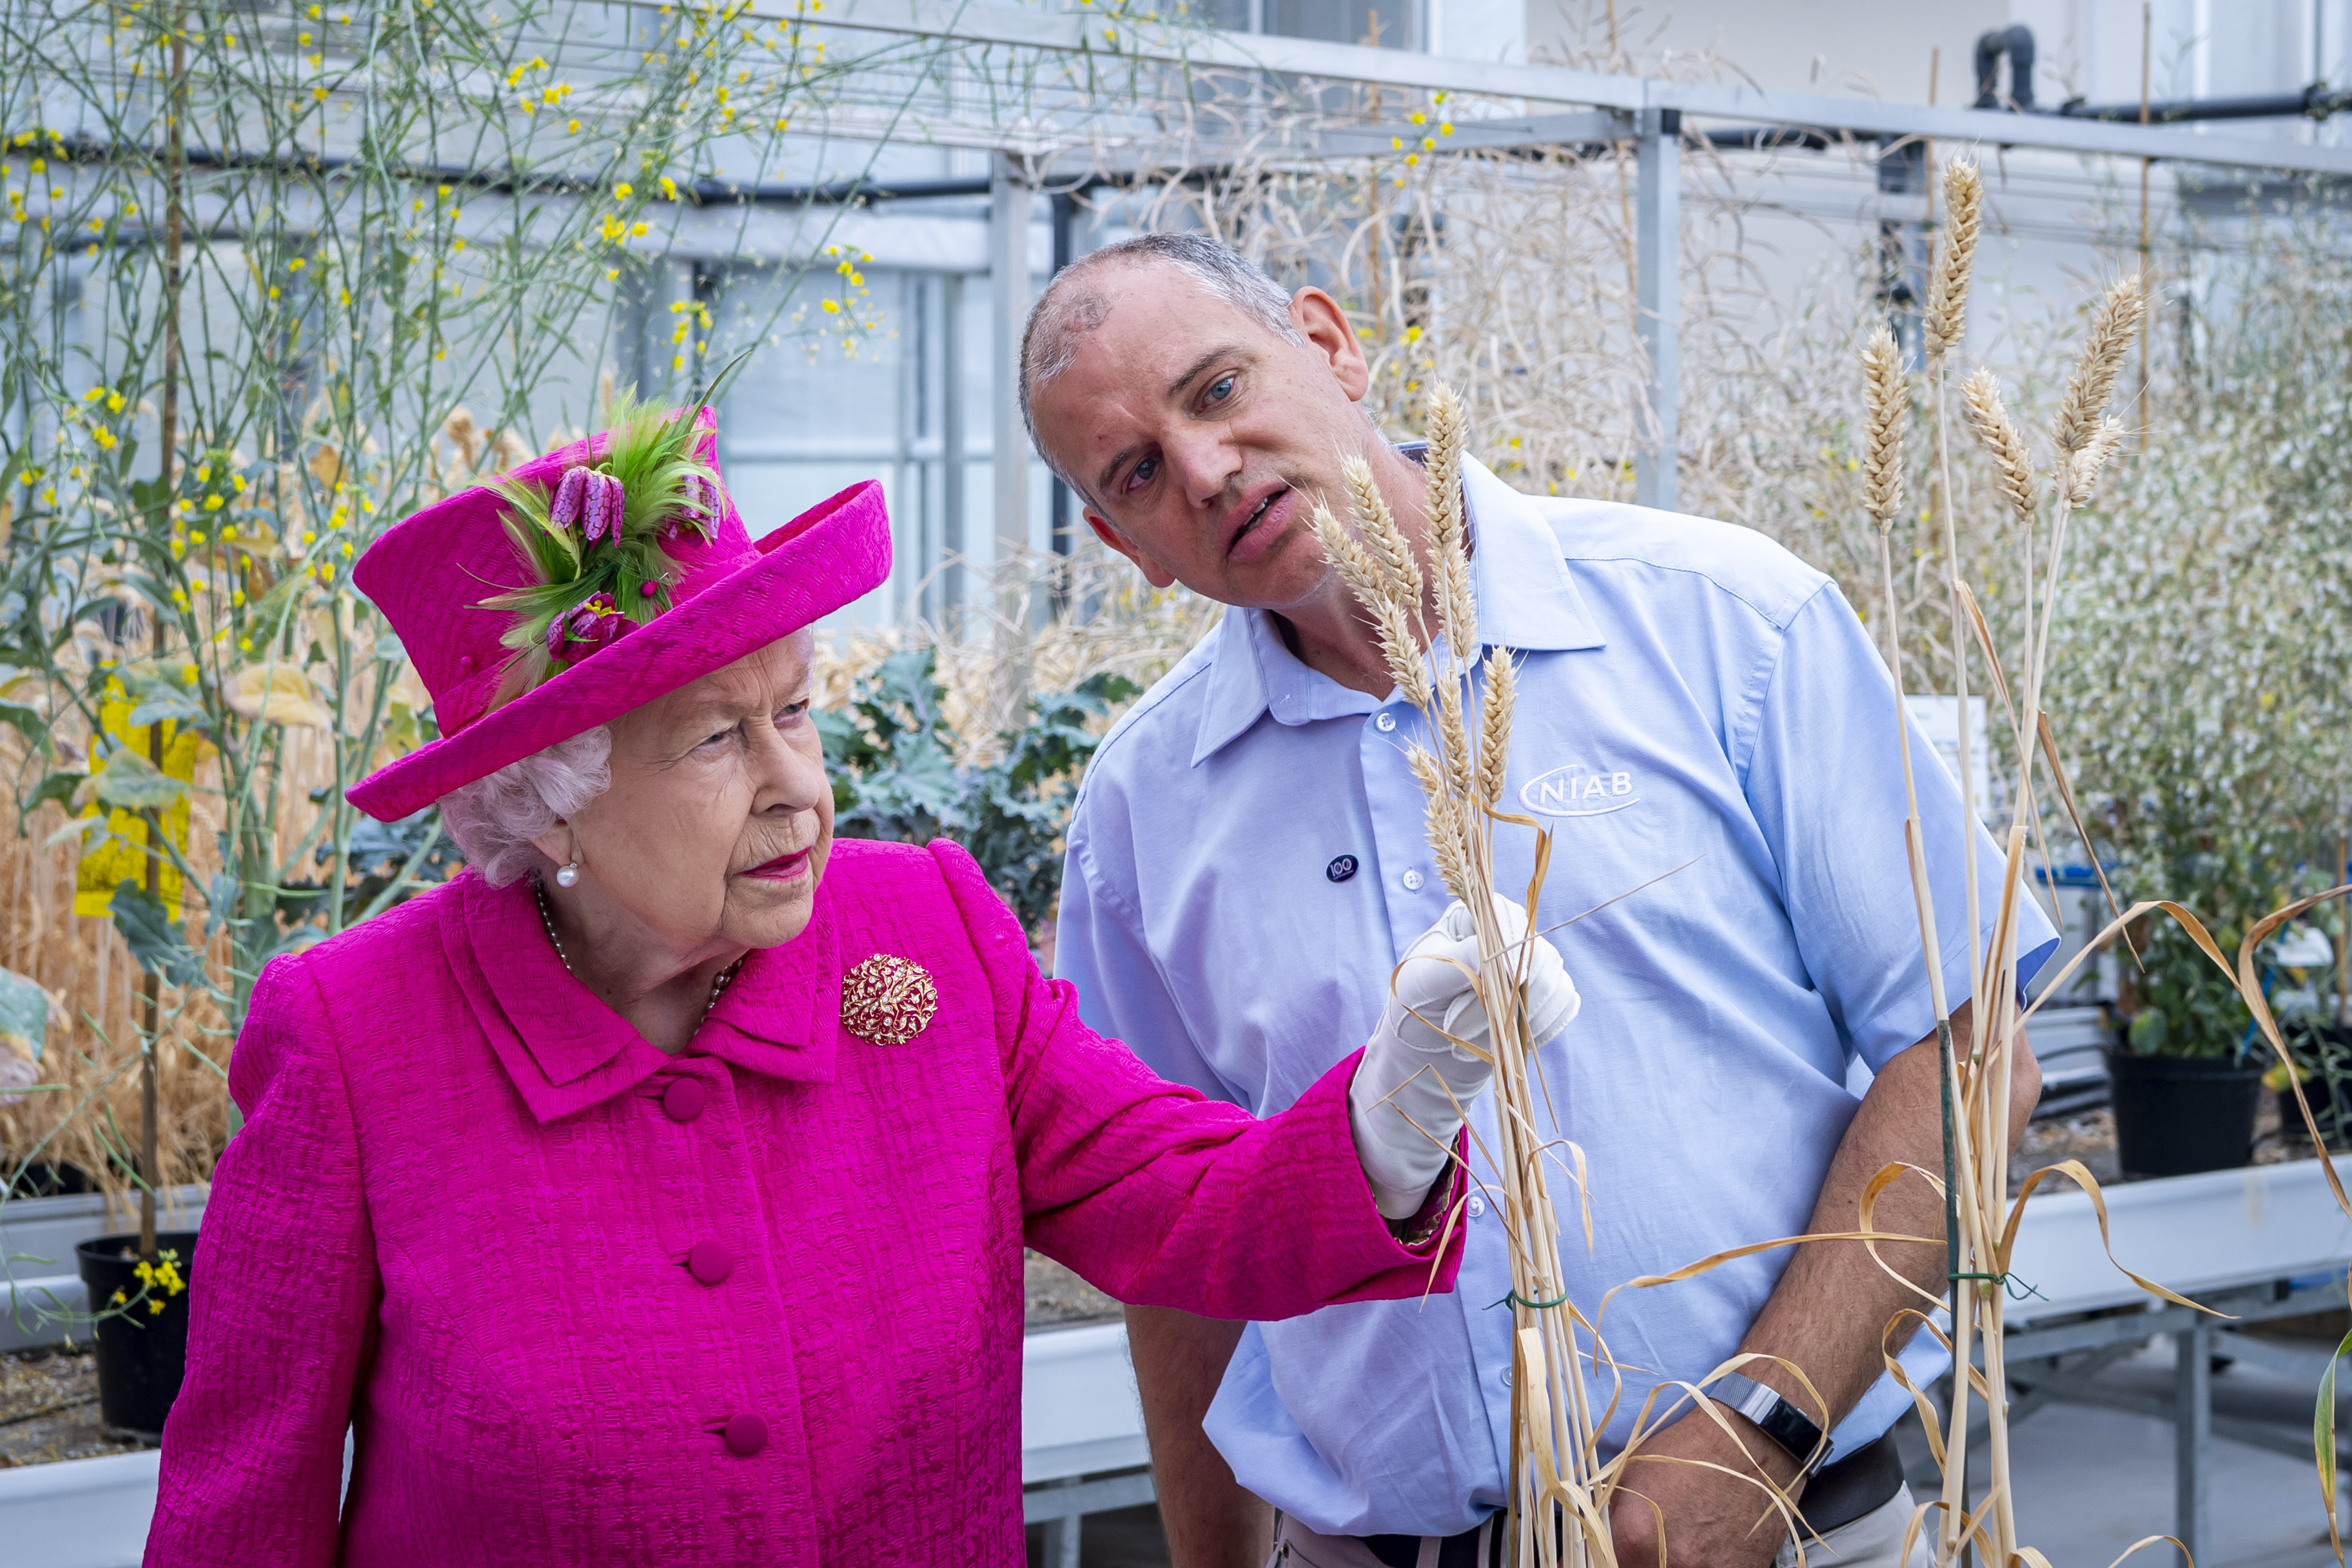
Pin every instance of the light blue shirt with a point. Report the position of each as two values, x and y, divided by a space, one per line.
1685 688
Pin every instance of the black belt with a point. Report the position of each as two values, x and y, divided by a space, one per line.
1861 1483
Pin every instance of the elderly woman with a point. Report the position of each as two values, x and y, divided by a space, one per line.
655 1191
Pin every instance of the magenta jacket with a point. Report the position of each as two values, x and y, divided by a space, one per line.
584 1302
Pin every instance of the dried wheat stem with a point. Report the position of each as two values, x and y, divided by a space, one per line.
1889 403
1944 322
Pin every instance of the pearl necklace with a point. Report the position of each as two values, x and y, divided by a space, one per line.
547 917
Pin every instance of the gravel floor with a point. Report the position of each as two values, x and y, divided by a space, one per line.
1058 1298
49 1408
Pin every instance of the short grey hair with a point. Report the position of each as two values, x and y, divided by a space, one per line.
1073 305
495 819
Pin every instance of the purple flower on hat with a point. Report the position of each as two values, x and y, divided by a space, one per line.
592 499
569 497
697 497
594 623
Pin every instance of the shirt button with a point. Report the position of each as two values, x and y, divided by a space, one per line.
1384 722
1477 1205
745 1434
711 1262
685 1098
1506 1383
1413 881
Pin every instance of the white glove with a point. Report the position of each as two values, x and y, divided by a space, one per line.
1405 1105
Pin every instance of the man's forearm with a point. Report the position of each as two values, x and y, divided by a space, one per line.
1210 1521
1829 1312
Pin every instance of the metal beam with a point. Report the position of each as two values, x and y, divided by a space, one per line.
1012 191
1657 266
2192 1437
952 467
1137 43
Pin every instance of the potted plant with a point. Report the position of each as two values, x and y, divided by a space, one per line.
2187 1067
2320 1053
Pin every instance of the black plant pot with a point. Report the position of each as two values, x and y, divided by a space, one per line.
2178 1115
141 1355
2333 1116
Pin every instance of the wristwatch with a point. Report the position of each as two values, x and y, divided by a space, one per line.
1778 1419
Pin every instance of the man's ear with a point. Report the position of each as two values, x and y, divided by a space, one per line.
1153 572
1332 336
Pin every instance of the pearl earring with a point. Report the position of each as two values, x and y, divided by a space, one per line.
567 875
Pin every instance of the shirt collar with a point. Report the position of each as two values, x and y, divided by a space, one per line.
1527 602
566 1050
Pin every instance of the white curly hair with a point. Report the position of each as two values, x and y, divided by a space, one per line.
495 819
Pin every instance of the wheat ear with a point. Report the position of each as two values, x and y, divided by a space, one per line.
1945 321
1989 417
1400 573
1890 409
1366 578
1444 822
1495 727
1448 544
2082 469
2114 324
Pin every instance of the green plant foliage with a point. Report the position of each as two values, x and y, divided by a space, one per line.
894 775
154 937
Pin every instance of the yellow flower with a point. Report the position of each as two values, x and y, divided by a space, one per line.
212 503
296 265
104 436
622 192
237 598
154 1309
188 671
114 403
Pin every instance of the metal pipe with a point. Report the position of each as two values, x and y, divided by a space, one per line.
1657 284
2317 101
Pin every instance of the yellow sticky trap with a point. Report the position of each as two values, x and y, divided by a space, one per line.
124 856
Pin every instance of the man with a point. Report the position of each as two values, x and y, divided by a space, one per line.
1246 861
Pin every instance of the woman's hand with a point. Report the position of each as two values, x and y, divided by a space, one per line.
1406 1103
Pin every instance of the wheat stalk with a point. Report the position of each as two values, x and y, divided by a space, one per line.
1559 1509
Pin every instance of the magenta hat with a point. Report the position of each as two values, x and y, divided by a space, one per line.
459 580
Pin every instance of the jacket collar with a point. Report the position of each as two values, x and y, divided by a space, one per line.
566 1050
1526 599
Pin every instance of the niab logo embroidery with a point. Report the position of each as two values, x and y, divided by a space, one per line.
1577 790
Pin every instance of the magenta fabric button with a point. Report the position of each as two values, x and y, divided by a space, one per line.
745 1434
685 1098
711 1262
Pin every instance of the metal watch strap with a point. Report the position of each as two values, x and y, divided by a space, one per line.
1787 1425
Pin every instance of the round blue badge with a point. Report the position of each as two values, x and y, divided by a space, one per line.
1341 868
